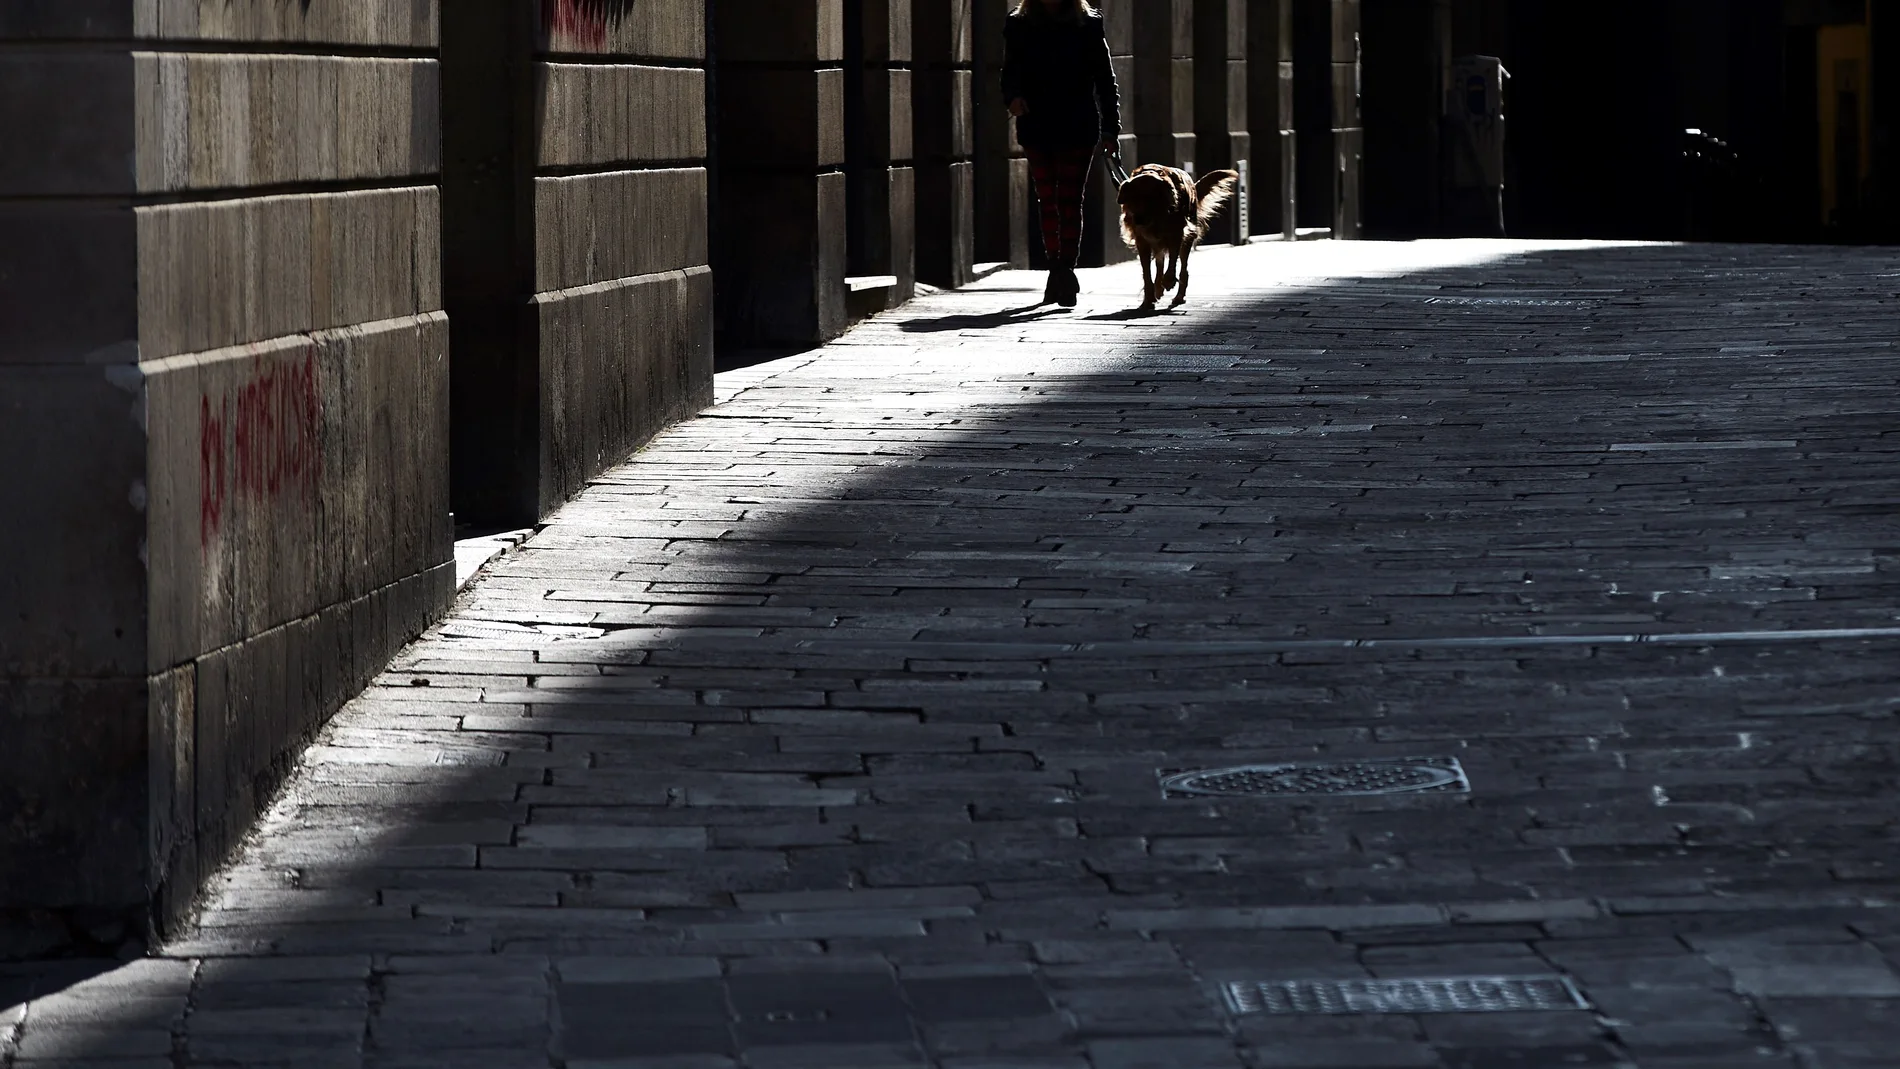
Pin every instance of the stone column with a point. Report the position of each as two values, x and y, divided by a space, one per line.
1101 234
881 268
946 181
579 295
1222 137
1326 111
1161 104
903 135
1002 173
780 262
1270 116
224 408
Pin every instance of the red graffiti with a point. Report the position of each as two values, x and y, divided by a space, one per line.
580 25
261 445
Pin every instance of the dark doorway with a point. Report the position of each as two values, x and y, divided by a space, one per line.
1407 48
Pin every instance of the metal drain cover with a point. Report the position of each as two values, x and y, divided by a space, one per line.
1510 302
1412 775
1438 994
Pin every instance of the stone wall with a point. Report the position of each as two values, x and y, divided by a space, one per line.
223 402
579 286
241 242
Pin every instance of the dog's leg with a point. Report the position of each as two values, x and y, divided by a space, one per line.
1187 250
1148 297
1166 281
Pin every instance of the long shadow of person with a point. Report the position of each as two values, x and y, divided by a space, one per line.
984 321
1145 312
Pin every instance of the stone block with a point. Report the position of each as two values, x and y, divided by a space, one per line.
901 47
68 283
903 200
73 791
946 223
773 31
903 139
222 273
941 32
1349 146
290 475
1269 30
943 124
65 19
208 121
600 227
67 121
660 29
1345 23
1019 225
171 820
75 446
1118 25
785 283
384 23
597 115
619 361
259 700
1345 87
793 120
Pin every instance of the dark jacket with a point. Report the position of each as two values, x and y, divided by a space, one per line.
1061 69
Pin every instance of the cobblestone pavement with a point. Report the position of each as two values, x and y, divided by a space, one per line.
827 733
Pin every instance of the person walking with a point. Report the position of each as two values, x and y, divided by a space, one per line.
1060 87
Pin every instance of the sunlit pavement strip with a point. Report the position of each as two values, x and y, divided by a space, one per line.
825 733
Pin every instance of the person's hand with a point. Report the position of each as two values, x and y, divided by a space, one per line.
1019 107
1112 145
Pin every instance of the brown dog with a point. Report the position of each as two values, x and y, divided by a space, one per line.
1164 214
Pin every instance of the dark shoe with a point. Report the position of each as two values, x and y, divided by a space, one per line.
1052 290
1071 288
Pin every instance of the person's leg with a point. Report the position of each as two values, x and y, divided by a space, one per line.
1074 177
1071 173
1061 178
1044 172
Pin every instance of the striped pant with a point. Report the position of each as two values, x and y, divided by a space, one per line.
1061 177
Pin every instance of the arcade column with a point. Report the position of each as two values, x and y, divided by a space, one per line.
1002 172
1221 134
779 264
1270 116
946 188
1159 105
1326 113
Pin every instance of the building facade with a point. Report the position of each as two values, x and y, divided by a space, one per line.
291 288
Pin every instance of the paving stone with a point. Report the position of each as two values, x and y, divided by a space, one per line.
823 732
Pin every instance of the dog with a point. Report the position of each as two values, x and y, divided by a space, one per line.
1165 213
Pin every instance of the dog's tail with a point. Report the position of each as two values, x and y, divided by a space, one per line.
1211 192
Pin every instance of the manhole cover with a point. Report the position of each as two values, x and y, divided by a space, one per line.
1412 775
1509 302
1439 994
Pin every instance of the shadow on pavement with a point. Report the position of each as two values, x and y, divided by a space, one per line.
827 730
984 321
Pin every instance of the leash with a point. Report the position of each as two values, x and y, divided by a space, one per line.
1115 169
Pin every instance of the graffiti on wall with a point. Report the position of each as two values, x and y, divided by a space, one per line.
581 25
260 446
